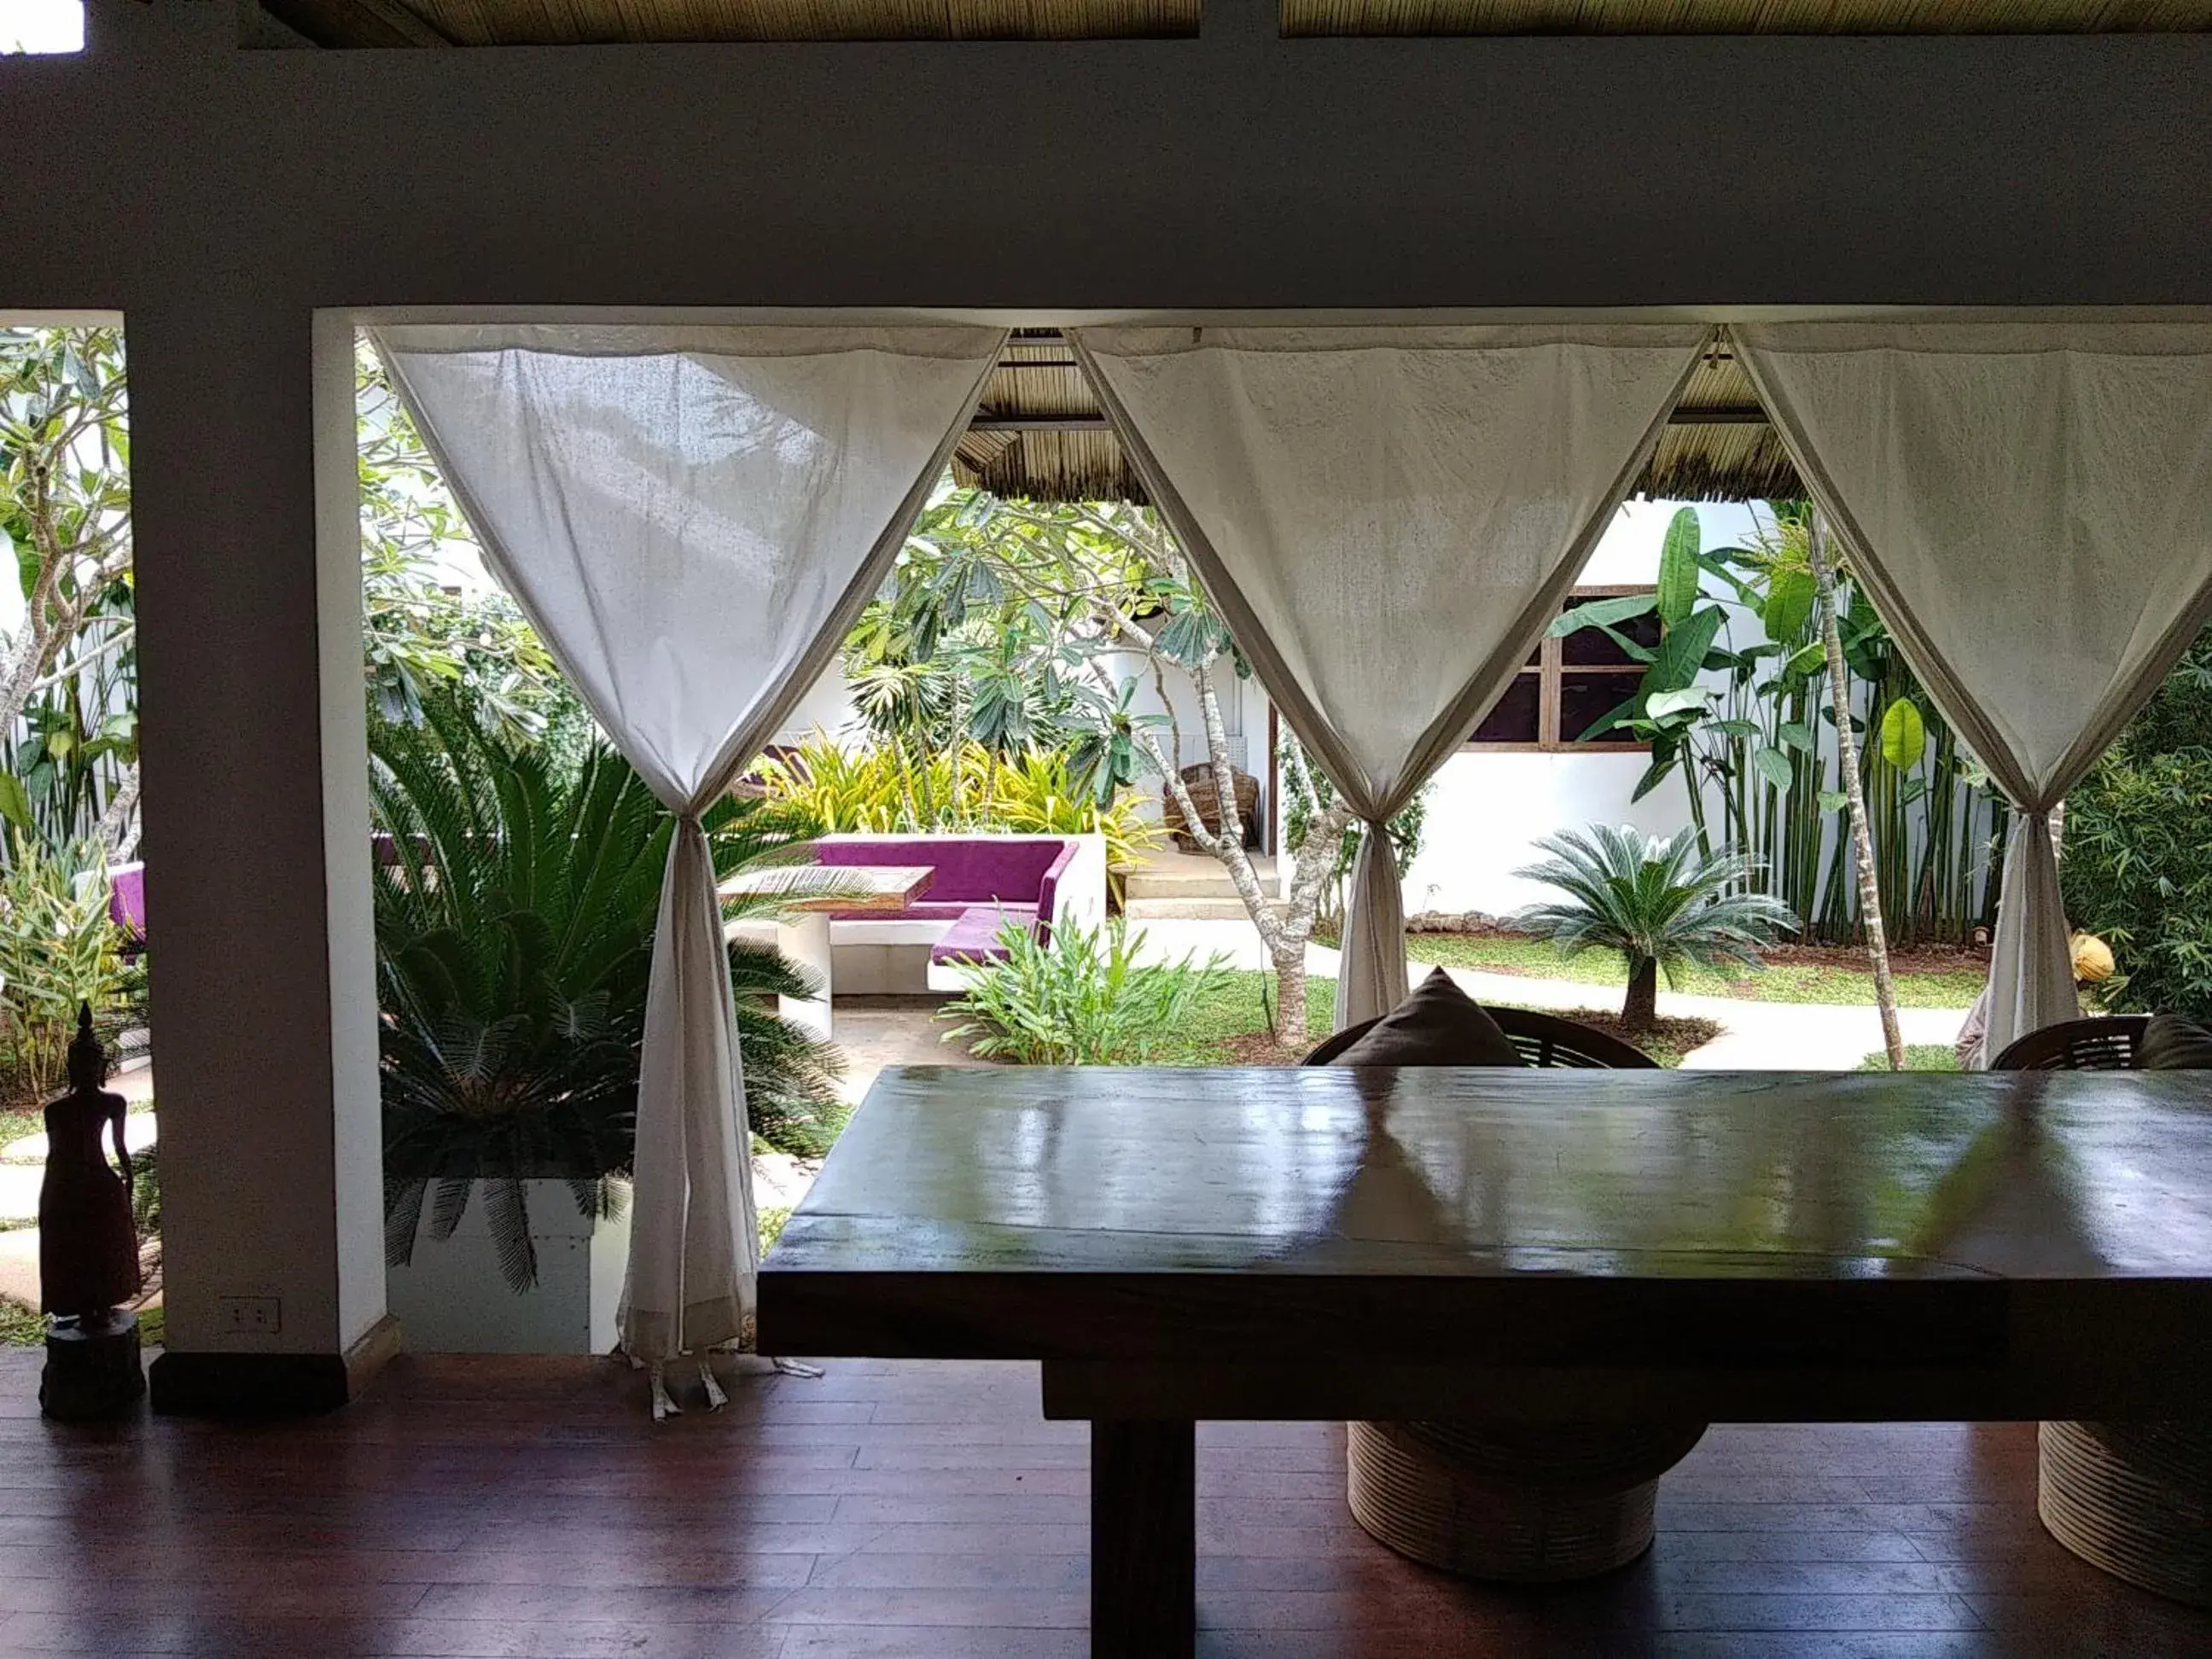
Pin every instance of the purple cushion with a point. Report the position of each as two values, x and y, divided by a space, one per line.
1049 892
975 936
126 899
969 869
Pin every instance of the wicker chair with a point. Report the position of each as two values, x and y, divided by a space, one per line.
2130 1498
2113 1043
1544 1041
1522 1502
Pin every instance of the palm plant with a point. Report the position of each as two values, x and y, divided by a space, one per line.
1660 904
515 902
1085 999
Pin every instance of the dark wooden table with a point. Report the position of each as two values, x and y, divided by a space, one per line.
1175 1245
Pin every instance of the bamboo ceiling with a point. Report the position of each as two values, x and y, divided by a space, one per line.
583 22
1308 17
1039 433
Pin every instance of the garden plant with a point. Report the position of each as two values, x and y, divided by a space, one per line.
1736 702
1083 999
1661 905
515 904
2137 863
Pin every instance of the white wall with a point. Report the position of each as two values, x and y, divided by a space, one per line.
827 707
1486 810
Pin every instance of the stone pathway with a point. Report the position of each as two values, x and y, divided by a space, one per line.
1755 1037
19 1265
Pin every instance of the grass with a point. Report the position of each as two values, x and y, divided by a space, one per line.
1228 1021
771 1225
1925 980
20 1327
14 1125
1918 1057
1228 1025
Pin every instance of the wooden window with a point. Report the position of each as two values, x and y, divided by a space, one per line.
1569 685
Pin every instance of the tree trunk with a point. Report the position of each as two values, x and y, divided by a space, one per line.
1839 693
1291 997
1641 1006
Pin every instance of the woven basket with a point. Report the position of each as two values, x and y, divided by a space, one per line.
1197 782
2133 1498
1530 1504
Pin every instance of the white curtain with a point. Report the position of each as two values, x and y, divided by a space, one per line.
691 517
1388 518
2030 506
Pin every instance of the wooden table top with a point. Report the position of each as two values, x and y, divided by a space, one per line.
857 886
1083 1213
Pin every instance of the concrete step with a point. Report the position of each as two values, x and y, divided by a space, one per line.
1231 909
1186 876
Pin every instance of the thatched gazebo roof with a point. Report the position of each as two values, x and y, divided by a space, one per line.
570 22
580 23
586 23
1311 17
1039 433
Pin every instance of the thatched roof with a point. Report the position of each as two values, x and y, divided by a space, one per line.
1039 433
568 23
1742 16
574 22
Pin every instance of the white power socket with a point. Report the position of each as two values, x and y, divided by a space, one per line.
251 1315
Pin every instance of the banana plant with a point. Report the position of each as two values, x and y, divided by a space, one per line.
1734 697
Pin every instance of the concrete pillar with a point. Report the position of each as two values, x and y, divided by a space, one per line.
255 846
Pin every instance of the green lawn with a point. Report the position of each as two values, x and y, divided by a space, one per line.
20 1327
1230 1016
1228 1024
1918 986
771 1222
1918 1057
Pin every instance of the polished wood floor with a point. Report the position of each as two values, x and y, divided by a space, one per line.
526 1509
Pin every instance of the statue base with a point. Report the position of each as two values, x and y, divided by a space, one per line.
93 1369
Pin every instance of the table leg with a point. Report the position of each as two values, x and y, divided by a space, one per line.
1144 1539
803 936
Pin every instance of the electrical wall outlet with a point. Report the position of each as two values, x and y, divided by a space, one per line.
252 1315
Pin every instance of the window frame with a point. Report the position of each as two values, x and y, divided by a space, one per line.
1550 670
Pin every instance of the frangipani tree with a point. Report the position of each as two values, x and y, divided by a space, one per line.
1034 613
69 700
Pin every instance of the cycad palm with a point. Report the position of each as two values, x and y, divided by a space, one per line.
514 944
1657 902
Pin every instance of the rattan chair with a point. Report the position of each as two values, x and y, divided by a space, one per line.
1544 1041
1515 1502
2130 1498
2112 1044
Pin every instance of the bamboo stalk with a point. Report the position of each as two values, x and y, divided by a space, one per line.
1839 686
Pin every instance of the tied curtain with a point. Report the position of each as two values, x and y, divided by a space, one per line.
1388 518
2030 506
691 517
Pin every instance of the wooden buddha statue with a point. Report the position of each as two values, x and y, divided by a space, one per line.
87 1244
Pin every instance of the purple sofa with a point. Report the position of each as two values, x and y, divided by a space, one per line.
982 882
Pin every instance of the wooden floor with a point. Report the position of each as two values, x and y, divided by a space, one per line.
527 1508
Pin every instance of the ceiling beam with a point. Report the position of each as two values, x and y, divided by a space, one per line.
354 23
1715 415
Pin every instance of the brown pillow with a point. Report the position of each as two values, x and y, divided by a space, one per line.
1438 1025
2171 1044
